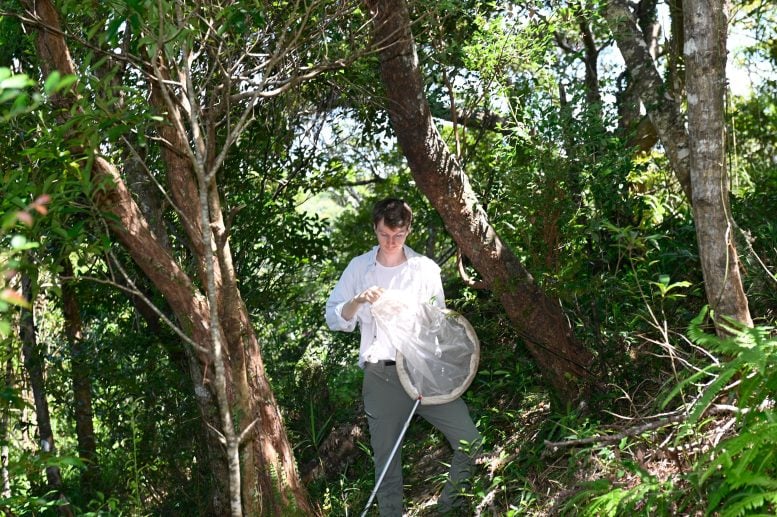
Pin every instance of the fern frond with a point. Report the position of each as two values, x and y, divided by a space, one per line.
713 390
695 331
727 455
715 495
749 479
704 372
607 504
581 498
747 504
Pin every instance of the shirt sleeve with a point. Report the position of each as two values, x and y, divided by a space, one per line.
439 293
439 296
434 285
344 290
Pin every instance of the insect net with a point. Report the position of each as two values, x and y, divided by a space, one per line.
437 349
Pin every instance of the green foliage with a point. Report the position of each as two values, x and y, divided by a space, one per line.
754 183
600 229
15 206
749 354
739 475
735 477
603 497
14 97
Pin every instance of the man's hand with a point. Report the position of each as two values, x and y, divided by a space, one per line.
369 295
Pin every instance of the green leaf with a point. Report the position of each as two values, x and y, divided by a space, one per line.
15 82
50 86
65 82
116 131
20 243
685 382
712 392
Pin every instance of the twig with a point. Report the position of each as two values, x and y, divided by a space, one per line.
218 434
244 434
132 289
749 244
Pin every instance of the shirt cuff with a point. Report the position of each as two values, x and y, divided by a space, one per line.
347 325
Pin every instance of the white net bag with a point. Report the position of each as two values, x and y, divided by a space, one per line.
437 349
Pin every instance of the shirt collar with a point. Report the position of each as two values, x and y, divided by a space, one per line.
373 255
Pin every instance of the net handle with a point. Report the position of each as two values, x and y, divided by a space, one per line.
391 457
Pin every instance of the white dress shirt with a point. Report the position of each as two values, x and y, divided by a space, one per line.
419 280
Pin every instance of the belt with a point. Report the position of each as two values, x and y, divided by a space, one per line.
387 363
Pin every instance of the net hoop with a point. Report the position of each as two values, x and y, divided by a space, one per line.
431 400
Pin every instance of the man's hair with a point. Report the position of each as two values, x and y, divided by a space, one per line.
394 213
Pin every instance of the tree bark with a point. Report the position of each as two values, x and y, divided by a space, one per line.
267 460
34 364
705 61
82 383
638 128
663 110
562 360
5 475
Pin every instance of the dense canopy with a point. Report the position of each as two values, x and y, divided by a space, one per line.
183 183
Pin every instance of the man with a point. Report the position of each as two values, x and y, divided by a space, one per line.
392 265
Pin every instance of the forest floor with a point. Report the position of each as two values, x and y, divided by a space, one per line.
426 463
517 474
624 448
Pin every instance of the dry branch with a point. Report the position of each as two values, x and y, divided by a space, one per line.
642 428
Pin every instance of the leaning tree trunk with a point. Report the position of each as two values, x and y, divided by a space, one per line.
267 459
33 363
705 68
562 360
661 107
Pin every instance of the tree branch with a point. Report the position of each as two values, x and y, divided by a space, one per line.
468 280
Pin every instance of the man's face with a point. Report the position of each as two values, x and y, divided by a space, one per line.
391 239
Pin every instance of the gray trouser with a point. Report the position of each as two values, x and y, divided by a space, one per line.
388 406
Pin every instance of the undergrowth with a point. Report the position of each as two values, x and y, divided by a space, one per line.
709 446
713 453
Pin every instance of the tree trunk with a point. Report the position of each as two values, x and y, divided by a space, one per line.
638 128
590 60
697 154
675 78
82 384
33 363
249 390
661 107
5 437
705 61
562 360
267 461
